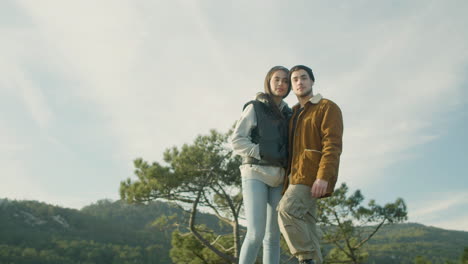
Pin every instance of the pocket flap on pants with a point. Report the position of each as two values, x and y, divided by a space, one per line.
292 206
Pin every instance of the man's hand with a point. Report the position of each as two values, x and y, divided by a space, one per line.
319 188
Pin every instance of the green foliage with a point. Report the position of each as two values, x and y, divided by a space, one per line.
421 260
130 228
464 256
207 163
336 255
348 225
105 232
403 243
187 249
204 173
75 252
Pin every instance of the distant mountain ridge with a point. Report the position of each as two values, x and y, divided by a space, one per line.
403 242
42 233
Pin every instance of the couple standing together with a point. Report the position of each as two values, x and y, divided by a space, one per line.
290 158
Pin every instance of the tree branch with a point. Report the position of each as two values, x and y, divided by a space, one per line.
200 237
372 234
222 218
346 239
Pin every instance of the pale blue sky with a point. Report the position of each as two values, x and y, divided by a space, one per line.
88 86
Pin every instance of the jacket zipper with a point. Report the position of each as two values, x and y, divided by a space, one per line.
295 131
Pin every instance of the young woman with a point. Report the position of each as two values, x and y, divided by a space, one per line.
261 138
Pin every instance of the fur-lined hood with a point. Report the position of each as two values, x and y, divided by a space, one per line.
262 97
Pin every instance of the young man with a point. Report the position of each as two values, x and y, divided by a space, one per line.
315 145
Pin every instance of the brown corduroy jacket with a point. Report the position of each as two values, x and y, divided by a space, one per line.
316 146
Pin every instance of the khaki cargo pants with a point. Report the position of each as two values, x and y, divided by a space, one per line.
297 214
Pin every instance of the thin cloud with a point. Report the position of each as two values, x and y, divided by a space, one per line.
33 99
15 179
389 97
447 210
434 207
458 223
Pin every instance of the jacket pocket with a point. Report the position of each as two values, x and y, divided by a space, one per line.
310 160
313 150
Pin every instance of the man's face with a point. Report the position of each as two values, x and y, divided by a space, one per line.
301 83
279 83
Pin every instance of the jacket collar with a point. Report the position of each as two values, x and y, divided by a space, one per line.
316 98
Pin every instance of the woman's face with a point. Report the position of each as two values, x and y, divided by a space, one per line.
279 83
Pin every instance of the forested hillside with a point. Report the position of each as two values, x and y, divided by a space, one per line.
104 232
115 232
402 243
